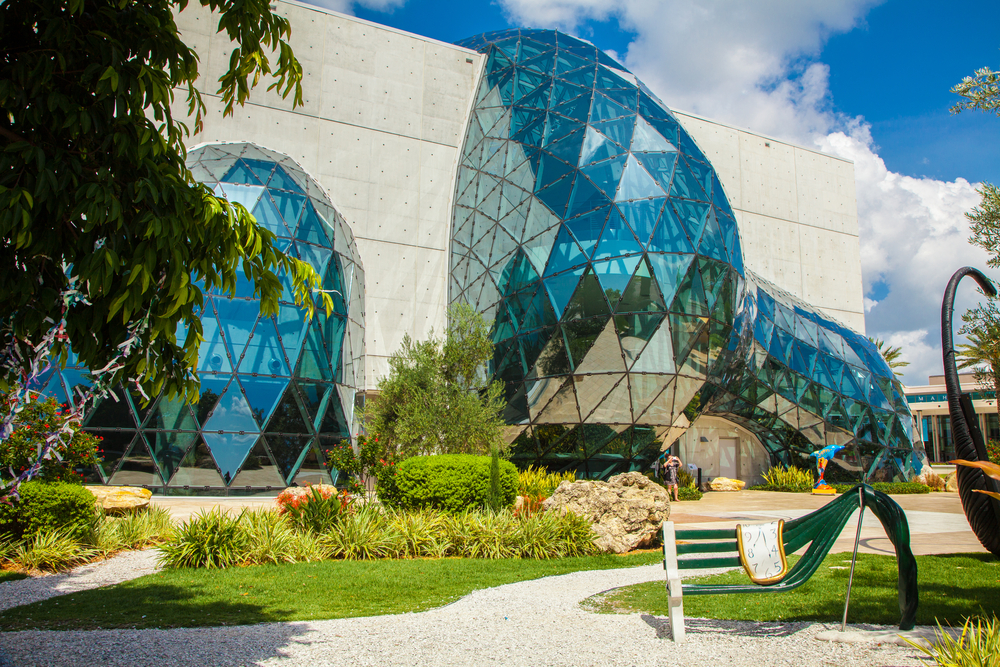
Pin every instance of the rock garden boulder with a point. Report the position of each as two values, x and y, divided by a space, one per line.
726 484
627 510
121 498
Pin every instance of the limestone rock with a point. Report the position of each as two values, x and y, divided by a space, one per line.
121 498
726 484
951 483
627 510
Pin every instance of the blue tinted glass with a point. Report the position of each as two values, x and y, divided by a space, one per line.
550 170
542 64
262 394
261 168
606 175
568 148
561 288
565 253
597 147
239 194
231 413
314 364
646 138
614 275
577 109
660 166
289 206
582 77
669 271
229 450
556 195
692 214
333 335
316 257
618 130
238 318
587 228
291 328
267 216
603 108
241 173
311 229
212 353
283 181
617 239
642 215
636 183
263 353
712 244
558 127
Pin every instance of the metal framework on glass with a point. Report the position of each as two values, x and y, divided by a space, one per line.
596 235
275 391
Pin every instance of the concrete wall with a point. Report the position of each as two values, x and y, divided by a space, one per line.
383 121
384 116
797 213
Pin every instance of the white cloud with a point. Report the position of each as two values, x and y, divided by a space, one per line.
754 65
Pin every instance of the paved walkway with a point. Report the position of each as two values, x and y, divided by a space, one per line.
937 523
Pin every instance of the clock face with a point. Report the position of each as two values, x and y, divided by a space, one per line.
762 551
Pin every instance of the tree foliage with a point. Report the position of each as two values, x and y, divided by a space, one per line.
981 325
435 398
890 354
982 93
100 220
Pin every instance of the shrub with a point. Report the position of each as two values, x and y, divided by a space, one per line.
31 427
371 461
781 478
452 482
978 645
53 550
888 487
539 482
208 539
688 493
993 451
316 511
363 535
50 506
270 538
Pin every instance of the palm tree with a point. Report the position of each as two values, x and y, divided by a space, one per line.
982 354
890 354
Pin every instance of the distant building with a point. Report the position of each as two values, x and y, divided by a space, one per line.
929 404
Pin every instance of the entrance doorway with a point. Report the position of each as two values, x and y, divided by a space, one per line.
727 457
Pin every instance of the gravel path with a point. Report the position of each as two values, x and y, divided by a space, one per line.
124 566
535 622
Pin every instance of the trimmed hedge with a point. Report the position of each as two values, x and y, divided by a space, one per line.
49 506
451 482
899 488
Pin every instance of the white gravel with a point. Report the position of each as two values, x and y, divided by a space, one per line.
536 622
124 566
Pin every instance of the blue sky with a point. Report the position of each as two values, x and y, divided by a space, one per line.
864 79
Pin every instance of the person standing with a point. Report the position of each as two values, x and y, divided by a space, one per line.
672 465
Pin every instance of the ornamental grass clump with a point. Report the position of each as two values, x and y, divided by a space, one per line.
363 535
977 646
790 478
52 550
208 539
535 482
270 538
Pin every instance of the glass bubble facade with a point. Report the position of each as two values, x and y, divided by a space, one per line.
594 233
276 392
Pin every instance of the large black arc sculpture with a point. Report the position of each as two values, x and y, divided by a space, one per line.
982 511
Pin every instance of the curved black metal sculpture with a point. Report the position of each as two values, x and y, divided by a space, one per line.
982 511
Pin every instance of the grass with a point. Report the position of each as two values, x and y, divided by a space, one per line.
292 592
951 587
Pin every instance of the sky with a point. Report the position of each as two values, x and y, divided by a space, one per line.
867 80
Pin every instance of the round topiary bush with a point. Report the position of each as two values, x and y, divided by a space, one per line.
50 506
452 482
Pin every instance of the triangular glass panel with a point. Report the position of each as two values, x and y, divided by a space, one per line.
291 329
642 293
614 275
660 410
212 387
212 353
259 471
711 244
311 469
670 271
267 216
687 333
238 318
556 195
636 183
564 92
703 174
583 76
592 389
606 175
562 287
562 408
538 248
231 413
603 108
669 235
658 355
660 166
169 448
587 228
634 331
110 413
313 361
558 127
685 185
553 360
288 417
114 445
647 139
240 172
263 354
617 239
550 170
281 180
616 408
692 215
605 355
229 450
580 336
641 216
597 147
566 253
262 394
311 228
335 421
568 148
289 206
589 299
137 467
618 130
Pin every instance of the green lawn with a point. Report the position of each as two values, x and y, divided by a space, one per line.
950 587
304 591
11 576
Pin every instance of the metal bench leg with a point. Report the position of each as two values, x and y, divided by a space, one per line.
675 593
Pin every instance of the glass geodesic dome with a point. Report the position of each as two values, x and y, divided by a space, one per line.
276 392
594 233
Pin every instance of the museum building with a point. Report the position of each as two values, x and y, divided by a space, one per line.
653 278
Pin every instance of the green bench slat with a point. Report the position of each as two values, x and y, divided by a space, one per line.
698 563
714 534
707 548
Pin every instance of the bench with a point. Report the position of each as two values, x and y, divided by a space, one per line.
696 548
